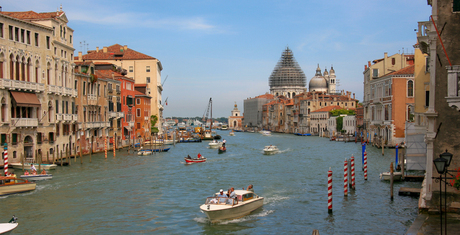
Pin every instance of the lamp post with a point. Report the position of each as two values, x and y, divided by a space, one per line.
448 157
440 164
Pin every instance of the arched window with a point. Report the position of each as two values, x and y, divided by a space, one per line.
410 88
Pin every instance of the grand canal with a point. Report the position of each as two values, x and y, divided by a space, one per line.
160 194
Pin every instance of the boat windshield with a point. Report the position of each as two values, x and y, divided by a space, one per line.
221 201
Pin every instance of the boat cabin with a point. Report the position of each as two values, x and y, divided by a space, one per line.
241 196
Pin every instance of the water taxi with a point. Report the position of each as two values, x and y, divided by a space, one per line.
231 133
386 176
266 133
222 208
215 144
36 177
18 165
6 228
271 149
11 185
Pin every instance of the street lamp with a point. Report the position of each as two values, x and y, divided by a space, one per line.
441 164
448 156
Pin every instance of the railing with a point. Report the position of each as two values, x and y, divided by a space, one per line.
24 122
74 117
68 91
21 85
110 89
58 117
92 99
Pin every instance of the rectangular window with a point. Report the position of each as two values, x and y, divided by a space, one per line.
138 112
57 106
138 101
23 35
410 88
1 30
84 88
375 73
130 69
456 6
36 39
28 37
10 31
148 80
48 43
70 38
427 98
138 125
16 34
147 69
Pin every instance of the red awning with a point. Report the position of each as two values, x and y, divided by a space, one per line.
25 99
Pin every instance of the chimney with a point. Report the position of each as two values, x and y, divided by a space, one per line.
369 64
353 95
365 67
80 56
385 55
104 49
125 47
97 49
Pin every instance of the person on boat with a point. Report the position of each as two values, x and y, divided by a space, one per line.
250 188
26 173
43 172
199 155
32 168
223 143
222 196
188 157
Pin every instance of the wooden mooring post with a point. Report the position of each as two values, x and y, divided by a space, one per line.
391 181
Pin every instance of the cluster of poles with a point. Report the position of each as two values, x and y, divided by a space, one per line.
348 170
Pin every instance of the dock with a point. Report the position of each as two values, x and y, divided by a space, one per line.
413 192
414 178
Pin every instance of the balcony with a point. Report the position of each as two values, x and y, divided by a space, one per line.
110 90
74 117
58 117
24 122
130 125
92 99
453 86
67 117
21 85
68 91
118 91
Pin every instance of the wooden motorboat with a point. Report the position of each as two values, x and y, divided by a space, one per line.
386 176
194 160
36 177
11 185
6 228
18 165
222 208
215 144
266 133
150 151
222 149
271 149
231 133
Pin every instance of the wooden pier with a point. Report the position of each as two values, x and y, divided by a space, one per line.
413 192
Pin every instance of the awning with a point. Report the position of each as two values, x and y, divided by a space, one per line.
25 99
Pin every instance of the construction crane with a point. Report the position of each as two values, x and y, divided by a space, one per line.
206 113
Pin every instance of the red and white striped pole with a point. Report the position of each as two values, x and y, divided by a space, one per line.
105 146
352 172
345 178
329 190
365 165
5 152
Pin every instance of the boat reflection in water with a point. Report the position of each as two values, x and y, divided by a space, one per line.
222 208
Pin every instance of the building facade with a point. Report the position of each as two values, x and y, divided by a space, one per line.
235 121
253 110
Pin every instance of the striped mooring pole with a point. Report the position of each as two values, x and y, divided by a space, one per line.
114 146
365 165
5 152
345 178
105 146
352 172
329 191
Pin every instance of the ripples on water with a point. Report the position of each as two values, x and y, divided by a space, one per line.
161 194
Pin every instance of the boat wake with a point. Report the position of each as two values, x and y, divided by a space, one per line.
250 217
274 199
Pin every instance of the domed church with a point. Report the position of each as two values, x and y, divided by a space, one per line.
287 78
325 82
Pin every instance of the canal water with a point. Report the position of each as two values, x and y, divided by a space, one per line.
159 194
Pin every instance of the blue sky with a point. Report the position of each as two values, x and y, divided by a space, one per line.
228 49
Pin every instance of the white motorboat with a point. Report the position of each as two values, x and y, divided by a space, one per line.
11 185
231 133
6 228
215 144
271 149
386 176
37 177
18 165
222 208
266 133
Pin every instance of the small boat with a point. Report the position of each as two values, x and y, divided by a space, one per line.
6 228
386 176
33 177
231 133
144 152
222 149
271 149
266 133
215 144
222 208
18 165
11 185
194 160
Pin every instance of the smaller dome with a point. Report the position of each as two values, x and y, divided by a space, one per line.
318 83
332 70
325 72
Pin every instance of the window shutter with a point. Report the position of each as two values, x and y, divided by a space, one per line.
7 138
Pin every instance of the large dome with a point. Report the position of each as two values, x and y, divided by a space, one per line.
318 82
287 72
